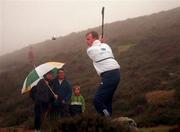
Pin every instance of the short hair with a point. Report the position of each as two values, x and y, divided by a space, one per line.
75 86
94 34
50 72
61 69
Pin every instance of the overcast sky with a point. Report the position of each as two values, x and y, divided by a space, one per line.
25 22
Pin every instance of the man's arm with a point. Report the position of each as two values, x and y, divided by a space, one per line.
69 92
91 52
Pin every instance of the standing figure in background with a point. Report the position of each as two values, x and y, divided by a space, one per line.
31 56
77 105
62 87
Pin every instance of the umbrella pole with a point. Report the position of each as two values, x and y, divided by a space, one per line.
50 89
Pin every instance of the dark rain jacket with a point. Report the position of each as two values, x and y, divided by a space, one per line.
43 93
63 90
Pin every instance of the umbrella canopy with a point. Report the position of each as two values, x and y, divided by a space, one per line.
37 74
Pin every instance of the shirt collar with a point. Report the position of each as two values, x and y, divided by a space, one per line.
96 42
60 81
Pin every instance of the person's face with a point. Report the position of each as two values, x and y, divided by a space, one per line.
77 91
89 39
61 75
49 76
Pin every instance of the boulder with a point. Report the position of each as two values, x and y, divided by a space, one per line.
125 124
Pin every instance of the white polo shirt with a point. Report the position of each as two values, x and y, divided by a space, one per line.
102 57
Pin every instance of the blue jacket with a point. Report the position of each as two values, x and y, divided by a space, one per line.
63 90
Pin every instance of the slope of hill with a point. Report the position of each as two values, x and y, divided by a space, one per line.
148 50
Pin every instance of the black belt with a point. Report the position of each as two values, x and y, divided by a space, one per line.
114 70
104 59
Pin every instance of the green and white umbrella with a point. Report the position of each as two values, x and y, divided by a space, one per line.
37 74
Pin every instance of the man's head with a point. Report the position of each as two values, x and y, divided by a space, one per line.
60 74
91 37
48 76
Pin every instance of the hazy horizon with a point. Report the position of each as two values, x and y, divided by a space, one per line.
23 23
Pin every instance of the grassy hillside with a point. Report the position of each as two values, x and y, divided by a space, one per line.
148 50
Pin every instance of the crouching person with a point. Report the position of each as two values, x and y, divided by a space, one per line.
77 105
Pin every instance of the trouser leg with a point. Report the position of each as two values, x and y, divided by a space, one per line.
37 118
104 94
39 109
103 99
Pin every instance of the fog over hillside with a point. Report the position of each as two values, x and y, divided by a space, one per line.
147 49
23 23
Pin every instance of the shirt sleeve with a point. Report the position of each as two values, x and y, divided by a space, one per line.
69 91
91 53
110 49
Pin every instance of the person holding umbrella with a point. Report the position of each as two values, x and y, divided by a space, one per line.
107 68
37 82
43 99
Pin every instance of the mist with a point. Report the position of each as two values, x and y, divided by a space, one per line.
23 23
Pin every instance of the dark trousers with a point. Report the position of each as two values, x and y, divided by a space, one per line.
75 109
40 108
59 109
104 94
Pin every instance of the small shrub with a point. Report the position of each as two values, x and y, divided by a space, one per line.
160 96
